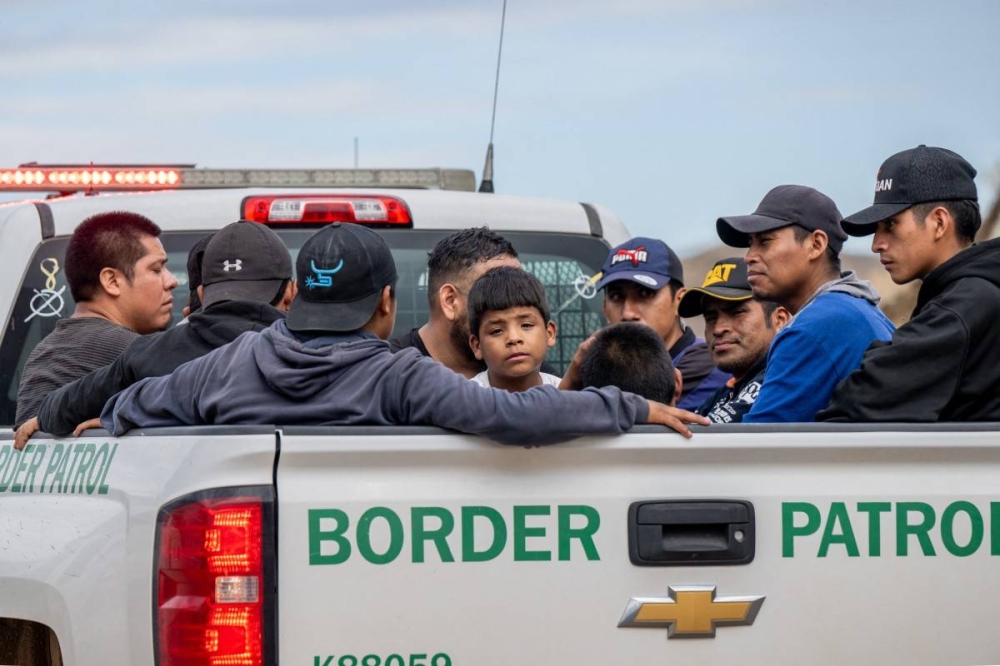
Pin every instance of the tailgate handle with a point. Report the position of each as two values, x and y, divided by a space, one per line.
670 533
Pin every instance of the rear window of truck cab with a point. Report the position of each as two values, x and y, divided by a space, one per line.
562 262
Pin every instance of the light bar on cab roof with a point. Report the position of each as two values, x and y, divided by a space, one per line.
326 208
68 179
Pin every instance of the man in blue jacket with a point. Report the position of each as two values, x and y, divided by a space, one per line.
329 363
793 243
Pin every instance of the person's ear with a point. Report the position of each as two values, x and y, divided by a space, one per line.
450 300
678 388
476 350
780 318
385 303
941 222
677 297
818 241
291 289
200 290
112 280
550 330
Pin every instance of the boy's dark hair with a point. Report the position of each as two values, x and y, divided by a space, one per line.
105 240
502 288
459 252
965 212
632 357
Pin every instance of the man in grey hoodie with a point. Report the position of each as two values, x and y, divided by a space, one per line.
329 363
793 243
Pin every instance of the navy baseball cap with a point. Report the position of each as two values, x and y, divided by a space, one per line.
914 176
726 281
646 261
341 272
782 206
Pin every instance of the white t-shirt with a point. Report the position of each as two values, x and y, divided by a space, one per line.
483 379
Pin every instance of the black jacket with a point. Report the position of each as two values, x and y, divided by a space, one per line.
944 364
152 356
734 399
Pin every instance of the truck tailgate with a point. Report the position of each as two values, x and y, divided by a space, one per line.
419 546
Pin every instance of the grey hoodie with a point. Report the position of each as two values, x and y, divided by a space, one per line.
354 379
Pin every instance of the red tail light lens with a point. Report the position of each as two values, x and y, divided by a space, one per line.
212 569
326 208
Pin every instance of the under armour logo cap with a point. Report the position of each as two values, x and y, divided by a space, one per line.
244 261
918 175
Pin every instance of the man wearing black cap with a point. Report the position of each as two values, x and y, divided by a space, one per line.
793 243
329 363
738 329
944 364
643 281
246 275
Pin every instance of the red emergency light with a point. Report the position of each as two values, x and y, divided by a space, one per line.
327 208
93 178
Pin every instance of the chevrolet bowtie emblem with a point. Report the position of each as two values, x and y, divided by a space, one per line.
690 612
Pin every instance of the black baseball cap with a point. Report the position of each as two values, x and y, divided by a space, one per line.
244 261
782 206
341 271
914 176
727 281
646 261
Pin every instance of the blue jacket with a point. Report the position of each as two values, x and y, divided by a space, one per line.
824 343
274 377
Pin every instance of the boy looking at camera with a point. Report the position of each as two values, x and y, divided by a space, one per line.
511 329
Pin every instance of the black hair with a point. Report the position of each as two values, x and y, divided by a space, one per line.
502 288
769 308
461 251
832 255
195 256
105 240
632 357
965 212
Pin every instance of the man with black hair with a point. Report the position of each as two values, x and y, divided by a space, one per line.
643 282
247 285
793 243
944 363
195 256
739 329
454 264
116 270
329 363
632 357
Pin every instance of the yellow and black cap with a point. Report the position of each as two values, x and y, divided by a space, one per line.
727 281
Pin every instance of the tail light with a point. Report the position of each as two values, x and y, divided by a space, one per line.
215 576
327 208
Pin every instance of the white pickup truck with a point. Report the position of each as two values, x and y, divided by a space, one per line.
407 546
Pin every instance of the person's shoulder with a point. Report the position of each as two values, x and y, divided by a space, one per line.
840 310
549 380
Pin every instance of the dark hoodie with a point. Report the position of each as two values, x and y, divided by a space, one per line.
354 379
152 356
944 364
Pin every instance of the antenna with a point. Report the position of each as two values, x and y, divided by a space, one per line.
487 184
355 152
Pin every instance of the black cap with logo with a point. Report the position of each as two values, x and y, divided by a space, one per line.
782 206
727 281
919 175
244 261
341 271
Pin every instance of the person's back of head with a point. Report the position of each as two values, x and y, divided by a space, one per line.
116 264
195 256
346 282
632 357
246 261
511 327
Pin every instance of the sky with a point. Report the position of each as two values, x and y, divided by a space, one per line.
669 112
